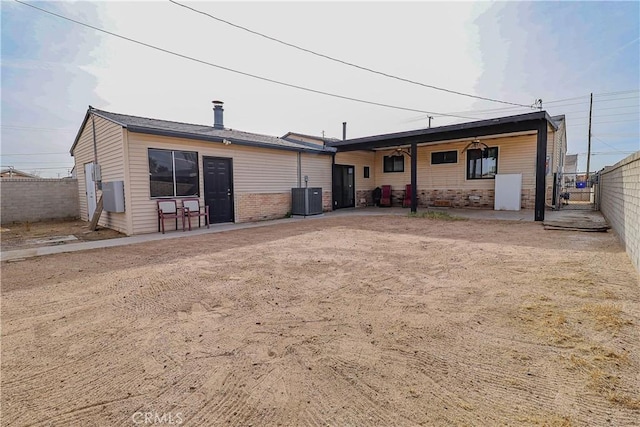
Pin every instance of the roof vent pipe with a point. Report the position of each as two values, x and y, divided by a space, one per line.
344 131
217 115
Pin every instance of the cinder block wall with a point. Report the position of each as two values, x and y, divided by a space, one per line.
620 202
33 200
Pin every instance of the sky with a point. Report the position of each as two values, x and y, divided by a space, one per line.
516 52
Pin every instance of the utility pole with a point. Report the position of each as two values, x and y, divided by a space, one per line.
589 141
430 118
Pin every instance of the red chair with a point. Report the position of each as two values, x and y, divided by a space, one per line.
192 209
385 198
168 209
407 196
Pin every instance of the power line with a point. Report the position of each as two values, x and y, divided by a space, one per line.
36 128
508 109
32 154
20 162
610 115
618 99
180 55
563 101
610 146
616 93
605 108
566 99
619 121
48 168
620 134
612 121
621 106
350 64
605 57
605 153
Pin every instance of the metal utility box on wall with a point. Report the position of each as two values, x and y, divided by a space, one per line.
113 196
306 201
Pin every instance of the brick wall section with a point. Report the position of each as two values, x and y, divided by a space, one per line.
620 202
262 206
460 198
327 201
366 195
36 200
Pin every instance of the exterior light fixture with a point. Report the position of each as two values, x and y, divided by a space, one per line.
402 151
476 144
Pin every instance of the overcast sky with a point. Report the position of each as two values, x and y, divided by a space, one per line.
53 69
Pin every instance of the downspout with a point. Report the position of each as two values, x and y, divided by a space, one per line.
299 169
333 180
95 143
414 177
97 173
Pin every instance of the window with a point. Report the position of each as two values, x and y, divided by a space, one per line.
366 171
173 173
394 163
482 164
444 157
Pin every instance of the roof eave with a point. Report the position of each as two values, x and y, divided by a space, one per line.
378 141
212 138
90 110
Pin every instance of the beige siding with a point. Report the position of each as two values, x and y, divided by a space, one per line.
360 159
397 180
516 154
255 171
110 148
318 168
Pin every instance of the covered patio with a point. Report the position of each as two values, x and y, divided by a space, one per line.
537 123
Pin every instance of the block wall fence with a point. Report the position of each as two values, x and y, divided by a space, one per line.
619 190
33 200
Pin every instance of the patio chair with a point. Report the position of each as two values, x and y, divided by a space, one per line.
385 197
168 209
192 209
407 196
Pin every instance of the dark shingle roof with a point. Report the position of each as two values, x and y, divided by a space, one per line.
205 133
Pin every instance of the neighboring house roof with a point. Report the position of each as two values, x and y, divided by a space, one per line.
571 163
199 132
558 119
449 132
10 173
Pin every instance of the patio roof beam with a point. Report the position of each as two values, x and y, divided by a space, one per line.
541 170
438 137
414 177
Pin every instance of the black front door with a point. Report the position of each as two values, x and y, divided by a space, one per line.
218 188
343 186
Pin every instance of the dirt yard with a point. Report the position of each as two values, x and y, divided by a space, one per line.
344 321
48 233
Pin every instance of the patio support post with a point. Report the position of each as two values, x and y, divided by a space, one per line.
541 170
414 177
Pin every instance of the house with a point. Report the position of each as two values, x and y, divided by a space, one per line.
241 176
458 165
11 172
